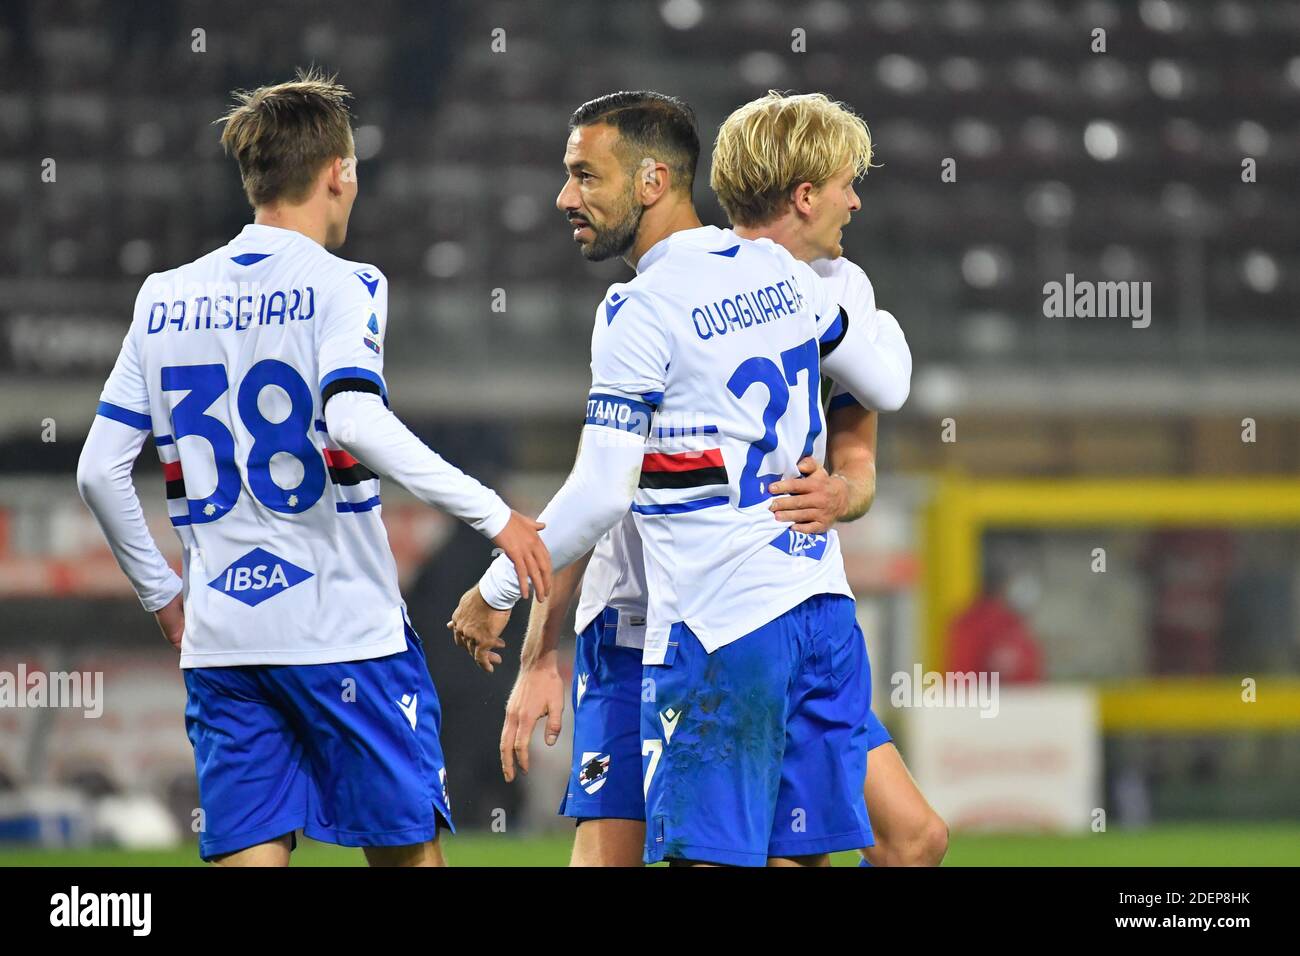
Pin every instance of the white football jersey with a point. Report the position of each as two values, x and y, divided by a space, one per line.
848 285
229 362
615 575
718 338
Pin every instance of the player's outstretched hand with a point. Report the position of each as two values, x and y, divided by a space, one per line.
522 545
538 692
815 501
171 618
477 626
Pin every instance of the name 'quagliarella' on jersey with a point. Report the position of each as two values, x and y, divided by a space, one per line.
747 309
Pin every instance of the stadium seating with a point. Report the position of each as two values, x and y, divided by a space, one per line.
1117 165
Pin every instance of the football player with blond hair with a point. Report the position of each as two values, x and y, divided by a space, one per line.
784 168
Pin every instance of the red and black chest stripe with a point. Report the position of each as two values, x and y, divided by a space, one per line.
174 478
344 469
688 469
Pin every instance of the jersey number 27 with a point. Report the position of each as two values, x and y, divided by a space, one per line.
762 370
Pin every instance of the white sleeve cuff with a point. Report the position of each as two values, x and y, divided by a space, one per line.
494 523
159 597
499 584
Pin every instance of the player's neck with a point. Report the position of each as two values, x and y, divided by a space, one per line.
784 232
658 224
298 218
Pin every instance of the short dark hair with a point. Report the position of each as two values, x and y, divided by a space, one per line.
282 135
651 124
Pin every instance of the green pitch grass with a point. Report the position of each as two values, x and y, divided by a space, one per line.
1255 845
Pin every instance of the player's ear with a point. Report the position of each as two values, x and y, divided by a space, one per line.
652 181
335 176
802 198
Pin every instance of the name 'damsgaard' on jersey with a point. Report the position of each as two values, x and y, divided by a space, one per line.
747 309
238 312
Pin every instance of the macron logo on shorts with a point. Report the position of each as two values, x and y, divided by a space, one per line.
669 720
257 576
582 688
407 705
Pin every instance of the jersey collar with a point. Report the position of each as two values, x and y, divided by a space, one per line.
259 232
660 248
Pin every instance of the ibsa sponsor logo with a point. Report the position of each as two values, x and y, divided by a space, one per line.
257 576
800 544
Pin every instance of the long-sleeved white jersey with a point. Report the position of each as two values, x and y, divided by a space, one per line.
706 372
615 575
258 370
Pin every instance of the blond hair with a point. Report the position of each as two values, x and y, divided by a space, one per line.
282 135
770 145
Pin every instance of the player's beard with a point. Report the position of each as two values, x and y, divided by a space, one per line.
616 238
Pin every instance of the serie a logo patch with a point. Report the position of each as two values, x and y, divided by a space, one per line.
371 338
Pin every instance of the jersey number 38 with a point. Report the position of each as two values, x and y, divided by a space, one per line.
290 436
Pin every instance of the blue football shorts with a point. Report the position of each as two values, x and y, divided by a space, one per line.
759 749
605 781
348 752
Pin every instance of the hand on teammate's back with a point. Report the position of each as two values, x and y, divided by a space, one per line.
813 502
522 545
171 619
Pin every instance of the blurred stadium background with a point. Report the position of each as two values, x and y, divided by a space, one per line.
1163 691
